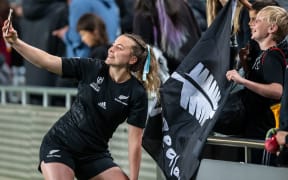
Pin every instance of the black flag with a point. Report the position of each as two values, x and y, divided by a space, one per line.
191 99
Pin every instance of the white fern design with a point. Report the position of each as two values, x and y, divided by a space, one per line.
200 93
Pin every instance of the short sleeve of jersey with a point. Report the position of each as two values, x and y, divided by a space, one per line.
274 67
79 68
138 107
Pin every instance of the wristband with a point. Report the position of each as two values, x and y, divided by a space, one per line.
286 139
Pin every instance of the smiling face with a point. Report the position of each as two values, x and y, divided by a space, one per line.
120 53
260 29
252 17
271 24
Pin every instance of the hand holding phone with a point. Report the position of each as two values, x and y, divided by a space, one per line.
9 20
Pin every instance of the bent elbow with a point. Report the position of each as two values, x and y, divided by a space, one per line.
277 94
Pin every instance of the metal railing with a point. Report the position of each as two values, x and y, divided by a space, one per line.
46 92
247 144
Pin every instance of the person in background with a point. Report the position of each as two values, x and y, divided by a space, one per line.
4 48
213 7
105 9
282 137
251 51
198 8
126 15
167 25
282 154
93 33
17 62
110 92
41 18
264 86
282 131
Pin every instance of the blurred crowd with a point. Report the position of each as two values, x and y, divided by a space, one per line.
53 25
85 28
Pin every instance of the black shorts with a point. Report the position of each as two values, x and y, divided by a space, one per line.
84 167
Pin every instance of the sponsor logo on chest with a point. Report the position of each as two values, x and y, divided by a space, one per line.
122 99
96 85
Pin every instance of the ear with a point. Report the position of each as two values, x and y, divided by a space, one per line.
273 28
133 60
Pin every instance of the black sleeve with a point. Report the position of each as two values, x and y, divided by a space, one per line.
274 67
138 108
79 68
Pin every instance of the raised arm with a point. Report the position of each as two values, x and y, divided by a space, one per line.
246 3
34 55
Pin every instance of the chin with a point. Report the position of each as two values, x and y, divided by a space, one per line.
253 37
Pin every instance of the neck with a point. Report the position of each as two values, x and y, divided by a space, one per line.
266 44
119 75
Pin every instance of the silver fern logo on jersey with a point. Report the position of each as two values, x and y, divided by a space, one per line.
53 153
200 93
122 99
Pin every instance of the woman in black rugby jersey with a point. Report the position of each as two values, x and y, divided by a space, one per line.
108 93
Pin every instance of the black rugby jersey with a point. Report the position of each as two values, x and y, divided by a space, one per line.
100 106
260 118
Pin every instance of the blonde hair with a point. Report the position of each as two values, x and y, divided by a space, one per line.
140 50
214 6
278 16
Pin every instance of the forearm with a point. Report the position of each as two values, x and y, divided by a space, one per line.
38 57
272 91
34 55
135 151
246 3
134 162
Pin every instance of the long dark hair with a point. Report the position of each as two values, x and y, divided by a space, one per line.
91 22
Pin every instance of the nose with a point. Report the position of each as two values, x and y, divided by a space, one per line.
110 49
251 23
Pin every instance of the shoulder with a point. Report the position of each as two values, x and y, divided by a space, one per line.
138 87
274 54
89 63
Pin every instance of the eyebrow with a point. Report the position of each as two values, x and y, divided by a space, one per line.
118 44
121 45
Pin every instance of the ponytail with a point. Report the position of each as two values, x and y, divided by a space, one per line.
146 68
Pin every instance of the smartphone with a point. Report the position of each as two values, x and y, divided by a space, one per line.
9 20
